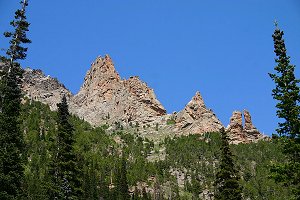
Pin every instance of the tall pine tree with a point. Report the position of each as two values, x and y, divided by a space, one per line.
287 94
12 156
122 182
227 178
65 180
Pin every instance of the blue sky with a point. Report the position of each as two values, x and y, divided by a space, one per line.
224 49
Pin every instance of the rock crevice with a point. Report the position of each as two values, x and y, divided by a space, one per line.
242 133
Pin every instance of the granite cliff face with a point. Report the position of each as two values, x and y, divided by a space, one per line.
105 98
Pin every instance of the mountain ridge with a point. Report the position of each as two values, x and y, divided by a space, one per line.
106 98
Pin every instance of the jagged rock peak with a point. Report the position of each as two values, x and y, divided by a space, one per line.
196 118
144 94
102 70
240 133
104 62
196 106
235 127
248 121
105 98
196 102
38 75
236 121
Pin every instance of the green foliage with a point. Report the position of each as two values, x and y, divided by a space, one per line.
199 155
254 161
12 151
12 154
287 95
171 121
18 37
121 182
99 157
287 90
64 169
227 178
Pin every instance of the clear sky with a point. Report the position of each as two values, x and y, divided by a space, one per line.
224 49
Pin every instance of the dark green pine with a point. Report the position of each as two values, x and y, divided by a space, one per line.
11 139
287 95
122 183
65 174
227 186
12 148
287 90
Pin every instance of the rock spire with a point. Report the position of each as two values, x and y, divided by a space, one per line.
243 133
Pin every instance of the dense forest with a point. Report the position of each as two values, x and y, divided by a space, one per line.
48 154
176 168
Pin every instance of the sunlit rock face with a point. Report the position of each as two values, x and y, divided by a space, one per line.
105 98
240 133
196 118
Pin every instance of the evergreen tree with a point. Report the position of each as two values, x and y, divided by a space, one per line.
227 178
66 177
12 156
103 187
122 183
288 109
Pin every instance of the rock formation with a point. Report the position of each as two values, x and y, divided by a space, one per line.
239 133
45 89
105 98
196 118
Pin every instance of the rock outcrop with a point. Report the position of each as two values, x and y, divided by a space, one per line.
196 118
37 86
239 133
105 98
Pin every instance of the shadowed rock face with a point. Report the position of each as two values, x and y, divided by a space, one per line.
106 98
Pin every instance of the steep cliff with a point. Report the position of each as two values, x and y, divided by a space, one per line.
104 97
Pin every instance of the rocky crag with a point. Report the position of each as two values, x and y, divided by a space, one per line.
39 87
196 118
105 98
243 133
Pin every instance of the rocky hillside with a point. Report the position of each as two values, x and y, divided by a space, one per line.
105 98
